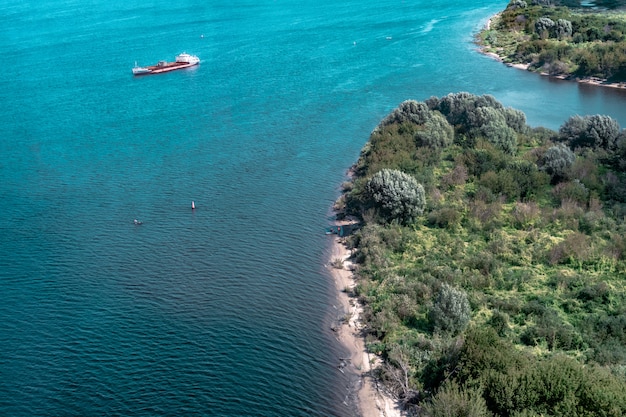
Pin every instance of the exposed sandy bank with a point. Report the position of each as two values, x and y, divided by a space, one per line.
373 402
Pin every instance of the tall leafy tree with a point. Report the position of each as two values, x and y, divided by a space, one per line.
396 196
557 160
596 132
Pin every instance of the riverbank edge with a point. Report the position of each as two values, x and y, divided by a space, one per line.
588 80
373 401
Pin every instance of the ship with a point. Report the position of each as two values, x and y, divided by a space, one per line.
183 60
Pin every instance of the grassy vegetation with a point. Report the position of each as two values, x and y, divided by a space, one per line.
506 294
560 41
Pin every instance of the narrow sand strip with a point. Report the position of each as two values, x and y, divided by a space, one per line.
373 402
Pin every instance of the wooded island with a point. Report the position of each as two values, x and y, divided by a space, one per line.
581 43
491 259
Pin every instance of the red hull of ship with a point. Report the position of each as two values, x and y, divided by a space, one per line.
170 66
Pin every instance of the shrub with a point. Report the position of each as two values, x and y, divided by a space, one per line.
552 332
525 214
397 196
544 27
503 183
452 400
500 323
517 4
516 120
458 108
563 28
557 160
596 132
557 386
499 134
572 191
599 293
450 312
408 111
574 249
620 151
454 106
483 159
484 351
446 217
572 130
457 176
337 263
604 131
436 132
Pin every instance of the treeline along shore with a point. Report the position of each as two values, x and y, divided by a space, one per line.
490 260
584 44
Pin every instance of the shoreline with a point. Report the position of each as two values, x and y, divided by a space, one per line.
588 80
372 401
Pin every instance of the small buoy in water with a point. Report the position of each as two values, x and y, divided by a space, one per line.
193 205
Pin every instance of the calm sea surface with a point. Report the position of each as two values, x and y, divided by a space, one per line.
224 310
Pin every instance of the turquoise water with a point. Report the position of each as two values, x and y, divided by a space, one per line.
224 310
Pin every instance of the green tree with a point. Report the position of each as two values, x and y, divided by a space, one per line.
497 132
603 131
457 107
517 4
450 312
396 196
435 133
620 151
557 160
544 26
596 132
516 120
416 112
563 28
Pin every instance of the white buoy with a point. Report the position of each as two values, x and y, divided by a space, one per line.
193 205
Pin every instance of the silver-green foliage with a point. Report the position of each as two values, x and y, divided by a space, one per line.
450 312
557 160
517 4
396 196
457 107
491 123
516 120
596 132
543 26
563 28
408 111
472 112
436 132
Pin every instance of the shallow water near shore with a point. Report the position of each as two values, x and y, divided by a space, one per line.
223 310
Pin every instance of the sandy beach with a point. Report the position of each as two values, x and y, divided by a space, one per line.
372 400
